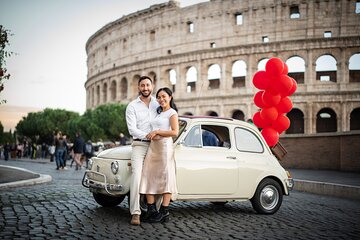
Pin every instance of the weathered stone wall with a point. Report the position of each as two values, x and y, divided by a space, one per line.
154 40
326 151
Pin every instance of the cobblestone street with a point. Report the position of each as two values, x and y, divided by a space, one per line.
63 209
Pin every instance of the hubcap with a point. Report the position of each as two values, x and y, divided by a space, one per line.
269 197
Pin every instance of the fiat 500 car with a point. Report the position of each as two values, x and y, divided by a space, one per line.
217 160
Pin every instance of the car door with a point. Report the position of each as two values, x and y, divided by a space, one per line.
205 170
252 158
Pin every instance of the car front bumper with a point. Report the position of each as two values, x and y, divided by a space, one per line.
88 182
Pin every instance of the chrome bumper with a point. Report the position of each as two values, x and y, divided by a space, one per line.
89 183
290 184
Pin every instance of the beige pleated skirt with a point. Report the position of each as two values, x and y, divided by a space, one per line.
158 174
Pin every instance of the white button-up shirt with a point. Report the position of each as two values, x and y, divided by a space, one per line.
139 116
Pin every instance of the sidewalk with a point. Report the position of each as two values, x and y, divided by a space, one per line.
322 182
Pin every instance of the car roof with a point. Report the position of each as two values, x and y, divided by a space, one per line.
224 120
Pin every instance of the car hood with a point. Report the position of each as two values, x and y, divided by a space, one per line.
121 153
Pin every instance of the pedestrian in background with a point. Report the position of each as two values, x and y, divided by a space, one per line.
59 151
52 152
88 151
78 149
122 139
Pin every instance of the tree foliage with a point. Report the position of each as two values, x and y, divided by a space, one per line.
41 126
5 137
4 42
104 122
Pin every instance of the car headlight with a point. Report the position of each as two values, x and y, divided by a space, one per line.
114 167
90 163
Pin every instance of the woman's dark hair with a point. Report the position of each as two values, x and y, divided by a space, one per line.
169 92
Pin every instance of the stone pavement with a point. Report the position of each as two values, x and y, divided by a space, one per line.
63 209
331 183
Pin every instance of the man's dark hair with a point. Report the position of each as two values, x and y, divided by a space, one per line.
144 77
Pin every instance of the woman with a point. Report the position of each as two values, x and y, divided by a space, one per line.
158 175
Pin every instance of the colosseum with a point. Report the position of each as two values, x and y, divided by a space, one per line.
209 52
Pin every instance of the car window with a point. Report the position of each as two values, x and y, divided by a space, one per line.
247 141
211 136
193 139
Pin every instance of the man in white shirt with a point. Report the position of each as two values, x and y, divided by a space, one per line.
139 113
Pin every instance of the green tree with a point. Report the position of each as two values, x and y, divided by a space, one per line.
4 42
43 125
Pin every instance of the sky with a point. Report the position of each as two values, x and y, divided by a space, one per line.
48 69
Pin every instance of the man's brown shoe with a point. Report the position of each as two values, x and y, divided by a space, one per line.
135 219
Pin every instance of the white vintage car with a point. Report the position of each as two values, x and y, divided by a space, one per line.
217 160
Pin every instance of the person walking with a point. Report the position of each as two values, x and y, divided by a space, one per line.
139 113
60 147
89 152
78 149
158 175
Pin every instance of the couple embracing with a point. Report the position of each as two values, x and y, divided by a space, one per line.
152 122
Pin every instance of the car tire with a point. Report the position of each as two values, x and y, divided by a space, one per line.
108 201
268 197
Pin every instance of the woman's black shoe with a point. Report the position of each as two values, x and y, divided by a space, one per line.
162 216
151 210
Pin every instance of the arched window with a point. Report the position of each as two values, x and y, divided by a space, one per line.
191 78
355 119
326 68
354 68
296 118
104 92
113 91
98 94
123 88
326 121
212 113
237 114
172 79
262 63
214 75
296 66
238 74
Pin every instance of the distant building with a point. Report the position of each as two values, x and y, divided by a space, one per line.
208 53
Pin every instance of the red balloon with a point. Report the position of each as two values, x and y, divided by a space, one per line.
285 105
270 135
274 66
259 101
269 114
270 99
281 123
283 84
286 69
293 88
261 80
258 121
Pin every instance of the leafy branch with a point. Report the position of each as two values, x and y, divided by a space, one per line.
4 42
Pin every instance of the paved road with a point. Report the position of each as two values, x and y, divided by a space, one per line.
63 209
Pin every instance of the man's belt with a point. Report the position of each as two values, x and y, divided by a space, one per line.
141 140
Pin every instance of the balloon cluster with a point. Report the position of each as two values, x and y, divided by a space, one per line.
273 99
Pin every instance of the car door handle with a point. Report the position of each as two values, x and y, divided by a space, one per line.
230 157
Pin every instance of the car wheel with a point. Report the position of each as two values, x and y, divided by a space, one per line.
108 201
219 203
268 197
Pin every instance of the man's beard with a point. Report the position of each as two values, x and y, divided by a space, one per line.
145 95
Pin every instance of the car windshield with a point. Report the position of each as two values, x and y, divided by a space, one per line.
182 125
